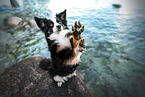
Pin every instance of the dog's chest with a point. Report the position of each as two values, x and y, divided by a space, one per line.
60 38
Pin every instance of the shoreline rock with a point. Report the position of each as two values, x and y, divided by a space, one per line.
30 78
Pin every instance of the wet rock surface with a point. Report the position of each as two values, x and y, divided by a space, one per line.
30 78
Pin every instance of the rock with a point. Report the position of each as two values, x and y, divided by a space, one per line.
116 5
11 3
13 21
30 78
32 23
16 3
17 22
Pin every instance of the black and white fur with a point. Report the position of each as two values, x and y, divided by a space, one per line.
64 63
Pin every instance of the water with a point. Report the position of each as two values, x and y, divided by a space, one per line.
113 64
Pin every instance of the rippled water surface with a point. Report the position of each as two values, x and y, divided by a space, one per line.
113 64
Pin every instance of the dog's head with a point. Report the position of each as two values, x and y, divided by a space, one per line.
52 25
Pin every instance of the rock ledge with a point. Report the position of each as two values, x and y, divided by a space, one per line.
28 79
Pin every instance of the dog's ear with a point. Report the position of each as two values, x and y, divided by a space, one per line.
44 24
62 16
40 22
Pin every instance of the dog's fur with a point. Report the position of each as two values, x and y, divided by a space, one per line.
65 53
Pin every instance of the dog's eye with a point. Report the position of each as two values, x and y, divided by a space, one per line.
51 25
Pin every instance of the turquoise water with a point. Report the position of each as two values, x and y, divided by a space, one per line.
113 64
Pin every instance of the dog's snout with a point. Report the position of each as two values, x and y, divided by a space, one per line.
58 27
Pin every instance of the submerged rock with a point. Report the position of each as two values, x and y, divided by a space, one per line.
28 79
116 5
16 3
13 21
17 22
11 3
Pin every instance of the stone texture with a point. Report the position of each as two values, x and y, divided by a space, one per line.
30 78
13 21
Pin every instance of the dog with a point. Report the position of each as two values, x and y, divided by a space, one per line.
65 54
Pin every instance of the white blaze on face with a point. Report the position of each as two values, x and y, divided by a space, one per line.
55 29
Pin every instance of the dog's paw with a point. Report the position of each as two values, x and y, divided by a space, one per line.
65 78
77 29
71 75
60 80
59 84
82 45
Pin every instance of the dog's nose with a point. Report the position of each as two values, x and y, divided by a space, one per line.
58 27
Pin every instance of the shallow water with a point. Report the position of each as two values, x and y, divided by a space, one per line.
113 64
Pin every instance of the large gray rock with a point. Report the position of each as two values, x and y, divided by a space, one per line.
30 78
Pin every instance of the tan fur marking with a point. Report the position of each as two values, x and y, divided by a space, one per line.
59 48
75 43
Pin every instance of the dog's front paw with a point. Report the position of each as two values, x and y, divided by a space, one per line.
82 45
77 29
